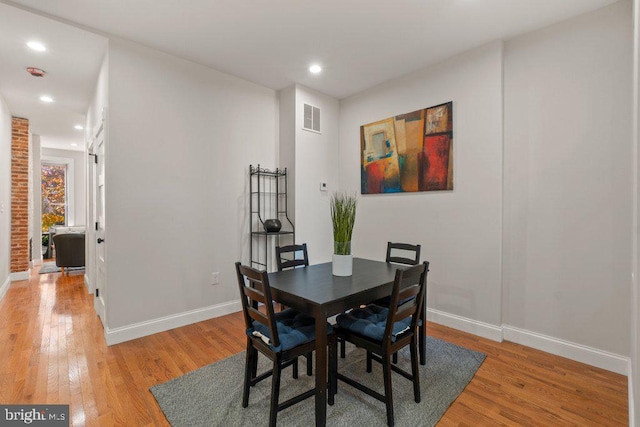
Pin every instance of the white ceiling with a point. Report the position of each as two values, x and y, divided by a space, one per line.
359 43
72 62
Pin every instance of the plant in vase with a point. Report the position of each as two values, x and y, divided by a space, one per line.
343 217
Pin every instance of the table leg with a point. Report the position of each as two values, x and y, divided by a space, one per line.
321 371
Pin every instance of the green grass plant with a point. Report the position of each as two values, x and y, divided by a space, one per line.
343 217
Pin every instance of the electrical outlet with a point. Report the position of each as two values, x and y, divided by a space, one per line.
323 186
215 278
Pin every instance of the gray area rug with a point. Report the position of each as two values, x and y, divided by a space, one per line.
51 267
212 395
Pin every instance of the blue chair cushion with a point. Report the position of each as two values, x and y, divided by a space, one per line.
294 329
371 322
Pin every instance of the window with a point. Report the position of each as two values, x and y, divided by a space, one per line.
57 192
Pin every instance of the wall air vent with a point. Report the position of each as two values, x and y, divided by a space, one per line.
311 118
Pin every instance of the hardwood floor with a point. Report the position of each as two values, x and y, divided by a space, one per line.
53 351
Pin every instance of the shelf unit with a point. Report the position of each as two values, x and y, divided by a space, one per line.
268 199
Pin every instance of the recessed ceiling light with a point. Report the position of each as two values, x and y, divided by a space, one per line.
79 127
37 46
73 144
46 98
315 68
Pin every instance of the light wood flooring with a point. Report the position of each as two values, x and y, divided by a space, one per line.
52 350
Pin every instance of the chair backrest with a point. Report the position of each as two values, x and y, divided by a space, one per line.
403 259
69 249
286 256
255 290
410 286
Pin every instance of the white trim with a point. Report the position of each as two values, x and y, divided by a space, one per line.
142 329
70 183
5 287
36 262
87 284
20 275
464 324
581 353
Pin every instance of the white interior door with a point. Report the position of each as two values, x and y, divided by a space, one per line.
100 227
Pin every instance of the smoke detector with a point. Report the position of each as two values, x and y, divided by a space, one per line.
36 72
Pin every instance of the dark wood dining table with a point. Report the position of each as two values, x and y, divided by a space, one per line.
314 290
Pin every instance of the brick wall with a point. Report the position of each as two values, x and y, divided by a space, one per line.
19 195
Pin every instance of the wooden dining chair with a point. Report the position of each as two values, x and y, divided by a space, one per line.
282 337
406 254
286 259
382 332
286 256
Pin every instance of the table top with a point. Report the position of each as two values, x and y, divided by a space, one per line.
315 287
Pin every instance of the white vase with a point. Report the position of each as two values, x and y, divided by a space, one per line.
342 265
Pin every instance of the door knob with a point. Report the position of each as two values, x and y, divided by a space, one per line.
100 240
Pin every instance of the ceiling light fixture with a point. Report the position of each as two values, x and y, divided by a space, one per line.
315 69
73 144
37 46
46 98
79 127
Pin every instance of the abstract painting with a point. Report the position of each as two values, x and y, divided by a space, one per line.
407 153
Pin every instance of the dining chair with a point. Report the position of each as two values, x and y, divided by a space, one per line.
382 332
281 336
405 254
286 256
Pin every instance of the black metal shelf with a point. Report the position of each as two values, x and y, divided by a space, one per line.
268 199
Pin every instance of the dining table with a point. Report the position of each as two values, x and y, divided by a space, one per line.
315 291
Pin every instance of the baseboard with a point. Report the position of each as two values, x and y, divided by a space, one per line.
464 324
142 329
87 284
20 275
5 287
578 352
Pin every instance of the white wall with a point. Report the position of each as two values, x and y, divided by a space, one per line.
5 195
99 103
316 159
287 143
568 187
459 230
181 138
634 375
36 218
79 180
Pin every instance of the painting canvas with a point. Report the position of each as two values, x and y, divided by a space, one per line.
410 152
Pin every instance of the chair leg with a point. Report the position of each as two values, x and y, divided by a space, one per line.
343 349
248 371
275 392
388 394
368 361
422 339
414 371
254 367
333 368
295 369
309 358
395 358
